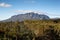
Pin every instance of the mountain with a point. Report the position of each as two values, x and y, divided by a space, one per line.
28 16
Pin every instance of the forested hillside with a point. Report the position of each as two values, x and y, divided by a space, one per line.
30 30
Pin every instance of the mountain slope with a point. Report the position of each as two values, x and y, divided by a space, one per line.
28 16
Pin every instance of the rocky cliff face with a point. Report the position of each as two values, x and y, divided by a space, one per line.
28 16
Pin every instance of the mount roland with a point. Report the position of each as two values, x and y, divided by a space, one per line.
27 16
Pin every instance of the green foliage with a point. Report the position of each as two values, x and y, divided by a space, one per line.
30 30
51 34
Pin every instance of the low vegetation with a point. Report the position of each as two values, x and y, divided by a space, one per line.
30 30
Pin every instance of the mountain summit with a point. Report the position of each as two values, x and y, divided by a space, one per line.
28 16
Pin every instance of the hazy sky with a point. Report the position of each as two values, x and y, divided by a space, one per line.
13 7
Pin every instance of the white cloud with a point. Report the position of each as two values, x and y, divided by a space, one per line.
33 1
23 11
29 1
27 11
5 5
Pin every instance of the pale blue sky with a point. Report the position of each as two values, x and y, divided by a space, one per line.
9 7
